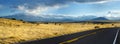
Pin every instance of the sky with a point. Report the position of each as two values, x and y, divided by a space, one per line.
61 7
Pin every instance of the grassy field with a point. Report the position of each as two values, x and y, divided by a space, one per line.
13 31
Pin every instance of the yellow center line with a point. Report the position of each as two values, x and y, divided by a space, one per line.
75 39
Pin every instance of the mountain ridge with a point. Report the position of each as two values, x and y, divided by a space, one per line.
55 18
100 18
50 18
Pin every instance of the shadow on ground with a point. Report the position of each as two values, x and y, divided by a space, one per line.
59 39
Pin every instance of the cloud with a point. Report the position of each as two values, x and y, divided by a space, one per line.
113 13
87 1
100 2
39 6
32 3
36 11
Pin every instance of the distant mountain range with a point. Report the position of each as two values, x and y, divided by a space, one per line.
54 18
100 18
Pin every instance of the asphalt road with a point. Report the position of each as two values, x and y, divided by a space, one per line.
98 36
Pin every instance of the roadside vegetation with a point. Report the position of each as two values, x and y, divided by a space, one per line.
14 31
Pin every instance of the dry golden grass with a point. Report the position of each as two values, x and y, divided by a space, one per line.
13 31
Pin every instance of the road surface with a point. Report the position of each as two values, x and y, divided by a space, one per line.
98 36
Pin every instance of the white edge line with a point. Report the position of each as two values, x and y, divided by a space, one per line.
116 36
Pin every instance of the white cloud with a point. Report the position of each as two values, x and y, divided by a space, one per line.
101 2
38 10
94 2
113 13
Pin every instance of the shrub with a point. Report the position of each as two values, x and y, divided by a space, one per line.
97 27
45 22
17 25
21 20
24 22
37 23
13 18
102 23
55 33
112 24
59 24
55 23
33 22
11 37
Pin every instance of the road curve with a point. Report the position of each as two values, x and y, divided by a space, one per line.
99 36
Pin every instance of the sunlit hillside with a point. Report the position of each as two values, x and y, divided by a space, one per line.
14 31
